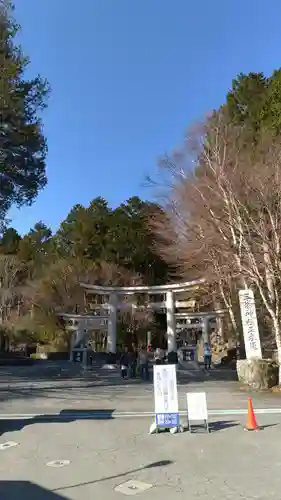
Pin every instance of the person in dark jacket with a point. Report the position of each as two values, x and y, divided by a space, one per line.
143 363
134 361
124 362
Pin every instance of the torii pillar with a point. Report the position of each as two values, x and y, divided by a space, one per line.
112 328
171 322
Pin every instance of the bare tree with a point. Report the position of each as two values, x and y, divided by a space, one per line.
59 291
189 232
225 218
241 194
134 323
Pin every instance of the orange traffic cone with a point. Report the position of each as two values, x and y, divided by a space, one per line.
252 422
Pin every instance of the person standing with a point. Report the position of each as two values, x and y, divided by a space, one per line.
207 356
159 356
143 363
124 363
134 361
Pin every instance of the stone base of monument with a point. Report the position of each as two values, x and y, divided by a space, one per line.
111 358
109 367
110 362
257 374
154 429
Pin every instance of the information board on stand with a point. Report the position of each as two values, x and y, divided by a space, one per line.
197 411
166 396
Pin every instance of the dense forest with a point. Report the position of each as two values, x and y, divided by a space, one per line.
40 272
220 218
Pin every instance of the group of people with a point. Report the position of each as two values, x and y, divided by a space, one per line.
137 361
133 362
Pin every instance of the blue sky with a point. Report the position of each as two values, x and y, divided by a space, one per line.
128 77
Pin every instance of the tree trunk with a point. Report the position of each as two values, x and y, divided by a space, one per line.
217 307
278 344
228 305
220 326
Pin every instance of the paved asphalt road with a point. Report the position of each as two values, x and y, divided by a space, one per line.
58 388
102 454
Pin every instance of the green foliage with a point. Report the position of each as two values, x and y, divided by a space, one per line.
130 242
36 249
254 101
35 244
271 113
10 242
83 233
43 327
22 143
121 236
95 244
247 99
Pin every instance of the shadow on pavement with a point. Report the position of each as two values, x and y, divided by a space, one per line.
17 490
65 416
55 382
10 391
202 376
221 425
263 427
217 426
162 463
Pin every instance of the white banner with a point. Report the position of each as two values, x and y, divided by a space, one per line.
250 324
197 406
166 395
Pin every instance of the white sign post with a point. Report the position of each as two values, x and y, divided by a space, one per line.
250 324
166 396
197 409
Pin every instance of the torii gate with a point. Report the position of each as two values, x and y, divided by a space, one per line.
81 327
170 304
108 318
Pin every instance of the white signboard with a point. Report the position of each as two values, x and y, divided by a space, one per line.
197 406
250 324
166 395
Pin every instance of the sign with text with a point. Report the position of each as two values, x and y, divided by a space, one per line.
197 406
250 324
166 396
